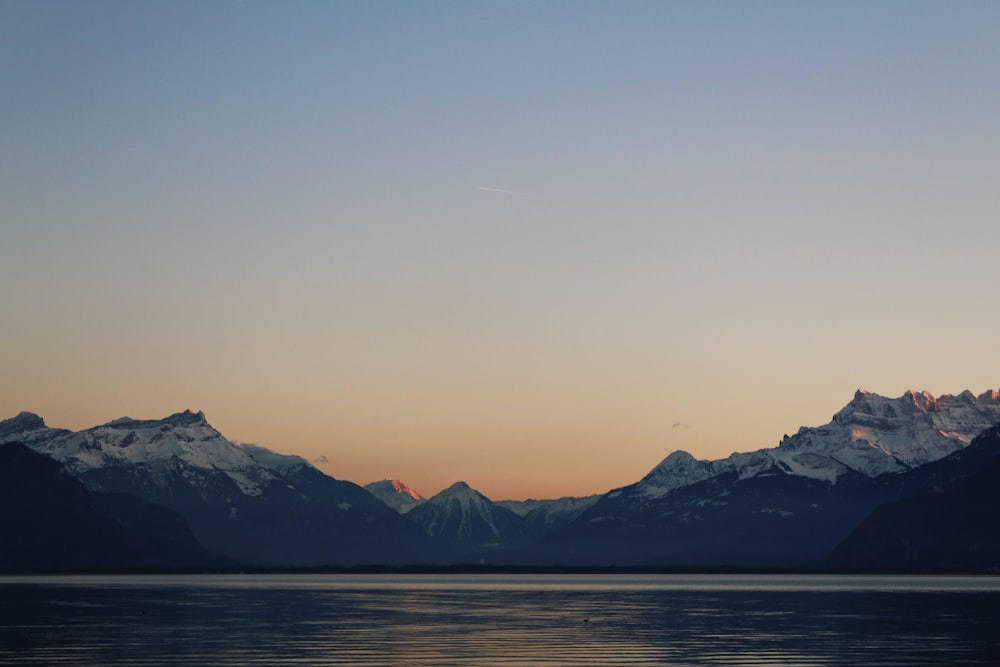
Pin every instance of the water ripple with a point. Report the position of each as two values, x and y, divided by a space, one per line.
446 622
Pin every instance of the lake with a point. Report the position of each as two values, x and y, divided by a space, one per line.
499 620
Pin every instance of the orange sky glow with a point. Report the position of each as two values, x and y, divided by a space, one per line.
531 246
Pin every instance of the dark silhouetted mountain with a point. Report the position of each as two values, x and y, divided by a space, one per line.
395 494
949 525
469 521
245 502
50 521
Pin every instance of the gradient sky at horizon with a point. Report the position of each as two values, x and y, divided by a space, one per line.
535 246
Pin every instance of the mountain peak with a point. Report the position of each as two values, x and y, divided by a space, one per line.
677 470
988 396
464 516
395 494
924 400
187 418
457 490
24 421
184 419
678 456
868 402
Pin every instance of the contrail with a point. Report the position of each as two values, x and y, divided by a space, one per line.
503 192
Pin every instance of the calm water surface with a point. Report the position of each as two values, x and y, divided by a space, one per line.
499 620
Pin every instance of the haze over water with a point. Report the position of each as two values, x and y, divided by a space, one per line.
480 621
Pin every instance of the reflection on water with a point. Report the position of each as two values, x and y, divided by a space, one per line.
499 620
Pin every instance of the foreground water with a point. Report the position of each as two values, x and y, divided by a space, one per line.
499 620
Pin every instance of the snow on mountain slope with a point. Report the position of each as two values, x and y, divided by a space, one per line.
522 507
871 435
395 494
464 516
462 504
280 463
185 437
549 512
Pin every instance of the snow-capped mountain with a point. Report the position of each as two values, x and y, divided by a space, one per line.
185 438
468 519
283 464
242 501
395 494
788 505
872 435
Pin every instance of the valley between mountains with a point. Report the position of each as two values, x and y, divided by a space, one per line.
889 484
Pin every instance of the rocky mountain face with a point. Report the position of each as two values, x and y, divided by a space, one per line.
395 494
50 521
469 521
244 502
786 506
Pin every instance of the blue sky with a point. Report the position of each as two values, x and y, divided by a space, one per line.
489 241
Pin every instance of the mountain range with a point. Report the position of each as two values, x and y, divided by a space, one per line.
787 506
857 493
243 502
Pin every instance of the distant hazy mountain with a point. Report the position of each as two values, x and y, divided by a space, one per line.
543 516
245 502
50 521
786 506
468 520
395 494
948 524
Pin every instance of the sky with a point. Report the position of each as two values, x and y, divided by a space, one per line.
534 246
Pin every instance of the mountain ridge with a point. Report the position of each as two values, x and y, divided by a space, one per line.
788 505
783 506
871 435
244 502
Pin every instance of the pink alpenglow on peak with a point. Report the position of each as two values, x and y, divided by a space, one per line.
395 494
988 396
404 489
